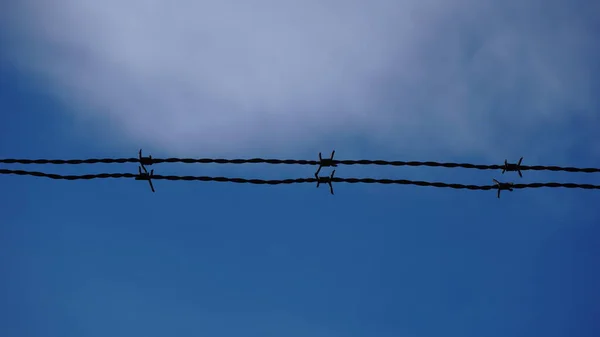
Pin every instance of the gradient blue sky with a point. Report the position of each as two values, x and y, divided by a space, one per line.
462 80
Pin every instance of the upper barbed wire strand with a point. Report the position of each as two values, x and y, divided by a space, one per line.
293 162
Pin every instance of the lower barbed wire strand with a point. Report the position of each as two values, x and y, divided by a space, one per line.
292 181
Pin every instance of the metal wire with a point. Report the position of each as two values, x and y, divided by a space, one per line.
292 181
292 162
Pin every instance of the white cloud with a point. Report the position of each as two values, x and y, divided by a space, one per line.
432 74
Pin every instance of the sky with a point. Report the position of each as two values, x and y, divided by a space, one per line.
450 81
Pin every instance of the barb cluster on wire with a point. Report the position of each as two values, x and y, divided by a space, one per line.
143 173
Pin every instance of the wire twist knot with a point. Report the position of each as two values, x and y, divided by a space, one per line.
145 160
503 186
327 162
145 176
512 167
325 180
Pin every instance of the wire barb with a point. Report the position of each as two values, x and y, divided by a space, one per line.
145 161
512 167
145 176
327 162
503 186
325 180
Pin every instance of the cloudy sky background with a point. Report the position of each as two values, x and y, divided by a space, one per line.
459 80
461 75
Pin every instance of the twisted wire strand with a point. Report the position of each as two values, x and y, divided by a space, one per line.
293 162
293 181
160 160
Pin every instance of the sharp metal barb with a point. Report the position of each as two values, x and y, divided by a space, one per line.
145 161
325 180
327 162
145 176
503 186
513 167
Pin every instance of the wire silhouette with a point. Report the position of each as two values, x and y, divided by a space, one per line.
292 181
143 173
331 162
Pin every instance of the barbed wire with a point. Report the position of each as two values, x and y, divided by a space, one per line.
333 162
330 179
143 173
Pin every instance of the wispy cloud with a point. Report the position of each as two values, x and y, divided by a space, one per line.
440 75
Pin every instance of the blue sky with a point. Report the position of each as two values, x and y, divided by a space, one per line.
461 81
